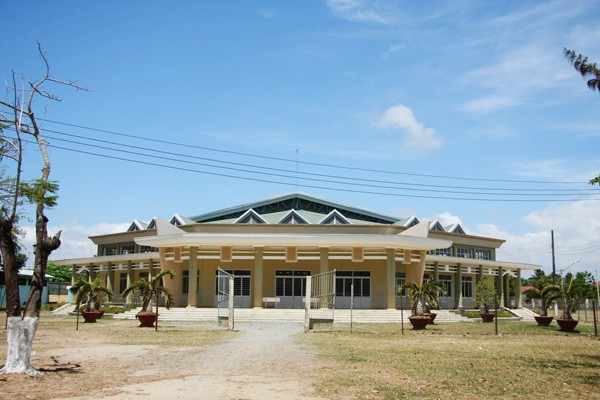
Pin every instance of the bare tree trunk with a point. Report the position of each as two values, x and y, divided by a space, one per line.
11 274
45 246
21 330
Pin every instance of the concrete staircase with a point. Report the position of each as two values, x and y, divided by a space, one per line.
524 313
289 315
65 309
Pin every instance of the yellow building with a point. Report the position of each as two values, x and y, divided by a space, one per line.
271 245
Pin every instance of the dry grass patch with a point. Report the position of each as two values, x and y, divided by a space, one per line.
460 361
105 354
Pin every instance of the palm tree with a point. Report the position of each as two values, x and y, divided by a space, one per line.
148 289
545 291
570 297
585 68
93 292
424 296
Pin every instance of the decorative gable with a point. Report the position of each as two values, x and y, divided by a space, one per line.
293 217
334 217
152 224
455 228
412 221
250 217
137 225
436 226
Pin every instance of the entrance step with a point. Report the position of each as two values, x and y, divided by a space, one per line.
524 313
290 315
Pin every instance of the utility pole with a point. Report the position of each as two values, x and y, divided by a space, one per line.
597 288
553 260
554 272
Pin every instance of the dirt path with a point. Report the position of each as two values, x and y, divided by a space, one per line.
262 361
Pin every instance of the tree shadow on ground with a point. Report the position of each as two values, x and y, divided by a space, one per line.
62 367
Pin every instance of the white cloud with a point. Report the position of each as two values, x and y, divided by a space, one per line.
446 218
416 135
359 11
576 235
555 170
393 49
74 240
267 13
516 76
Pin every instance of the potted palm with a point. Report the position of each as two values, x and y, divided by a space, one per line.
570 303
149 289
94 293
485 299
422 298
546 292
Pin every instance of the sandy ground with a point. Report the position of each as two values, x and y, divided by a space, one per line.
260 361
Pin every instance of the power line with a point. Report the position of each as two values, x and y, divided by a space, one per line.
546 192
292 177
187 145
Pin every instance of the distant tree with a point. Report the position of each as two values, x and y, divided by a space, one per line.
21 259
18 115
583 285
59 273
587 70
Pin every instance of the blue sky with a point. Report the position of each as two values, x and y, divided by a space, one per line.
426 91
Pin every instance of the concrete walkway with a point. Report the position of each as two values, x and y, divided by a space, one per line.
262 361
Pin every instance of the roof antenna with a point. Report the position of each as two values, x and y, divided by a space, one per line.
296 170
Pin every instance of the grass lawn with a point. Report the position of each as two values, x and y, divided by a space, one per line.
460 361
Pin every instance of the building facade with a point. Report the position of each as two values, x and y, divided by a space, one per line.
270 246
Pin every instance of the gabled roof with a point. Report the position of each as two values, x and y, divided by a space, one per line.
407 222
302 203
137 225
455 228
436 226
292 217
152 224
250 217
179 220
334 217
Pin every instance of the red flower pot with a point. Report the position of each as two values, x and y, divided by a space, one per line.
419 322
147 319
487 317
91 316
543 320
431 318
567 325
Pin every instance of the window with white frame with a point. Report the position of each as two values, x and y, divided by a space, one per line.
241 282
128 249
147 249
464 252
483 254
110 251
446 281
467 286
185 281
122 282
400 281
360 279
441 252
